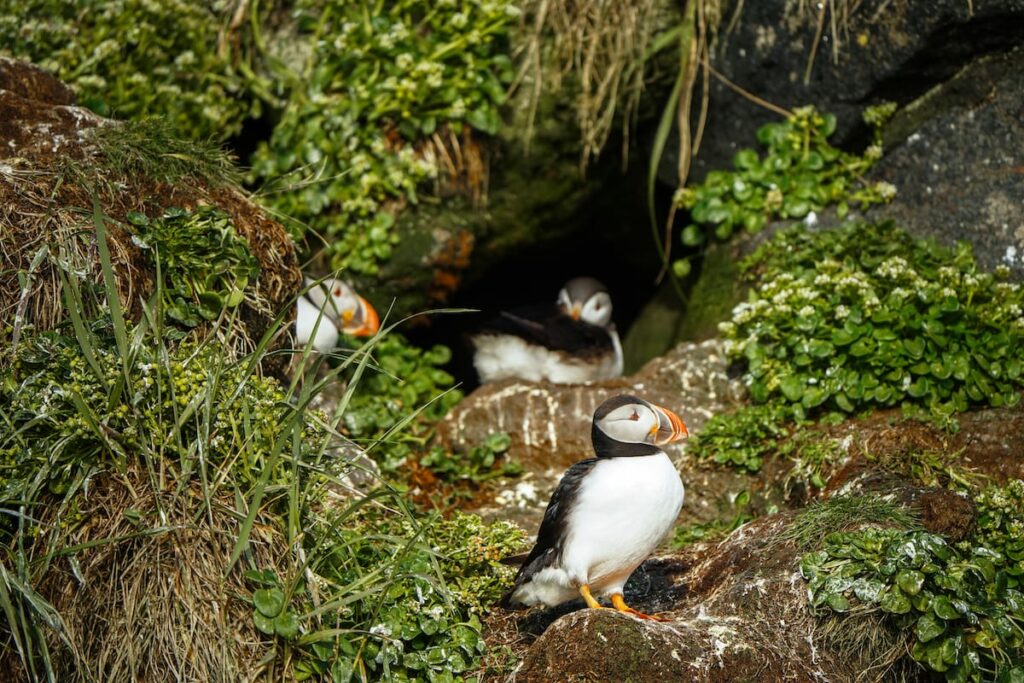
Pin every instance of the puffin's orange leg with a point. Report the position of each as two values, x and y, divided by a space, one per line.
620 604
591 602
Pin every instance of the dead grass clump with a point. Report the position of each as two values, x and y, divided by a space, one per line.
148 594
601 46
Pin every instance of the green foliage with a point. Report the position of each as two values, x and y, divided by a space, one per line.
742 438
378 80
69 411
150 148
866 316
135 58
962 604
478 465
408 379
417 614
205 265
863 317
715 529
800 173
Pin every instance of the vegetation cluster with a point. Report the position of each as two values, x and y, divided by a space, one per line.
865 317
959 602
800 173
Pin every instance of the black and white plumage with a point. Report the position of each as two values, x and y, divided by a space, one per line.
569 342
608 513
328 308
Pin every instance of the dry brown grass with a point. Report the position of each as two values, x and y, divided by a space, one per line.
601 47
148 595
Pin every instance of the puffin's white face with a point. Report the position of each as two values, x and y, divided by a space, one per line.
640 422
351 313
585 299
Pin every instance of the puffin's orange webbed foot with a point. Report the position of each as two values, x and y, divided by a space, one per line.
620 604
588 598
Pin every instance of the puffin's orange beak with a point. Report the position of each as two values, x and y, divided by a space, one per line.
670 426
371 321
575 312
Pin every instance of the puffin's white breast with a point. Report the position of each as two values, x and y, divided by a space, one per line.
500 356
624 507
306 321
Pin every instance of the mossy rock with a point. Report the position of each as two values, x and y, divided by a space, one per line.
61 163
665 321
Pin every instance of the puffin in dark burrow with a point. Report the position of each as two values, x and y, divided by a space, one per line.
608 513
328 308
569 342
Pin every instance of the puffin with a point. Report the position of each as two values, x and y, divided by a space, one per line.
328 308
570 342
608 513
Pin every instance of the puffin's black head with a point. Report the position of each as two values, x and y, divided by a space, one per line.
586 299
628 426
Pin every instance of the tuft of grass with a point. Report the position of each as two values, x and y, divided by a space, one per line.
222 537
150 148
839 513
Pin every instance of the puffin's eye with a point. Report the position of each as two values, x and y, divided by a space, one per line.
337 291
597 307
635 416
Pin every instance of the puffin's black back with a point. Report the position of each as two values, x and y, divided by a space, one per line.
553 529
545 325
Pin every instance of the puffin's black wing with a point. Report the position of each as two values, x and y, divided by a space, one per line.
554 527
547 326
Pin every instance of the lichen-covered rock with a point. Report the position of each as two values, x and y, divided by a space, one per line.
56 160
742 614
549 425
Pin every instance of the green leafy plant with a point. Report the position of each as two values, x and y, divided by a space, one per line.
863 317
715 529
408 384
70 411
799 173
419 622
357 588
741 439
478 465
134 58
205 265
380 78
961 605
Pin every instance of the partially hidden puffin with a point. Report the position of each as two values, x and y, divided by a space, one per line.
328 308
569 342
608 513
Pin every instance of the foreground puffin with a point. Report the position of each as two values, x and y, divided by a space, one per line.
328 308
608 513
570 342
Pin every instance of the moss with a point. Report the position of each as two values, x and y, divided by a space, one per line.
711 299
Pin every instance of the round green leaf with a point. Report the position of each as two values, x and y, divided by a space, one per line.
263 623
929 627
287 625
894 602
268 601
910 581
943 608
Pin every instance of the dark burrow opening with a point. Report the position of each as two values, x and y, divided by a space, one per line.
612 241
